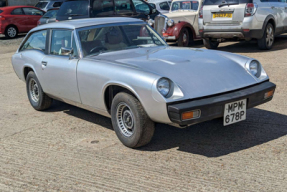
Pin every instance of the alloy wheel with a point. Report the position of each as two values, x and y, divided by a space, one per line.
269 36
34 90
125 119
12 32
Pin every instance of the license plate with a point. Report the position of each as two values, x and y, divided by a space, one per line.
234 112
222 15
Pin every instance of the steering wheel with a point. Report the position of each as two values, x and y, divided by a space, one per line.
97 49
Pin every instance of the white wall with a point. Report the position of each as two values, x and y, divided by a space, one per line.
22 2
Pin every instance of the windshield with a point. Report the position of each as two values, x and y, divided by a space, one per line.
51 14
41 5
184 5
115 38
74 8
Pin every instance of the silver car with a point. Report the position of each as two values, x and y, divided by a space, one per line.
121 68
222 20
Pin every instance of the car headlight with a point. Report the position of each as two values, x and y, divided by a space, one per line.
163 86
254 67
150 22
170 22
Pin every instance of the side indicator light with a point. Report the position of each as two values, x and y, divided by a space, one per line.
191 115
269 94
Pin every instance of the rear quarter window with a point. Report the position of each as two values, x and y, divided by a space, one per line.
218 2
36 41
1 11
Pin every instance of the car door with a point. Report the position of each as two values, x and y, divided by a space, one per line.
285 16
18 18
33 15
59 71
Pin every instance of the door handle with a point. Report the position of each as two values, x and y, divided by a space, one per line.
272 7
285 7
44 63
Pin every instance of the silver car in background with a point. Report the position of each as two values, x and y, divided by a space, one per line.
121 68
222 20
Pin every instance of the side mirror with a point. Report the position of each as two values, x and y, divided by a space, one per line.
153 11
67 51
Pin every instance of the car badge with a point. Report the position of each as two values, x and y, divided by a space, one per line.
70 18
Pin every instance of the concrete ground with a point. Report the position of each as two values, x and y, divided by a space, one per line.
70 149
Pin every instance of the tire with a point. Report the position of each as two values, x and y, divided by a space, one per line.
138 129
11 32
38 99
266 42
210 44
185 38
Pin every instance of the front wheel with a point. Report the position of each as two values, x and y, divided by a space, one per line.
38 99
267 40
185 38
130 121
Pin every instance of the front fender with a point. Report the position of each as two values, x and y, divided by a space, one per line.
176 29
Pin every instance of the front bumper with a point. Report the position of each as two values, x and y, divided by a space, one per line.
213 107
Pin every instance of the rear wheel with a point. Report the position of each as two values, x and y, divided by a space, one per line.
38 99
266 42
11 32
130 121
209 44
185 38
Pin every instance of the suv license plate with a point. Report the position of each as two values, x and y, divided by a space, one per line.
234 112
222 15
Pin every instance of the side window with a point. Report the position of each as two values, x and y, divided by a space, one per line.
57 4
164 6
32 11
141 7
123 6
153 5
17 12
36 41
102 8
60 38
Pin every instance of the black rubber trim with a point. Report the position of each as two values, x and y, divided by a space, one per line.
213 107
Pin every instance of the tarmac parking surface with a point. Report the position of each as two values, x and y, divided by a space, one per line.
70 149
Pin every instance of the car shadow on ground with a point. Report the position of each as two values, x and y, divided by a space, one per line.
247 46
210 139
2 37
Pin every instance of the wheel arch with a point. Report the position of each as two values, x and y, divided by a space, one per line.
111 89
269 19
26 69
12 25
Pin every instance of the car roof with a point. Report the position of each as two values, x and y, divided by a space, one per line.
18 6
80 23
157 1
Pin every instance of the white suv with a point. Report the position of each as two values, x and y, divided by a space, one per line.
221 20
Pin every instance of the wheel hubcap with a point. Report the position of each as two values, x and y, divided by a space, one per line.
125 119
34 90
12 32
269 36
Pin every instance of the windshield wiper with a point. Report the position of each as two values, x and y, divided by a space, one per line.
223 4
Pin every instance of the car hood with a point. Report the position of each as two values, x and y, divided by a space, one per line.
198 72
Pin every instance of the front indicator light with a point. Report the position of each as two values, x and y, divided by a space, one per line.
269 94
190 115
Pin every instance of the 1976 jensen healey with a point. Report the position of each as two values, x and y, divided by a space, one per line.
121 68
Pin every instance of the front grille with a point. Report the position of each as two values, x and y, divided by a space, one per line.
159 24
